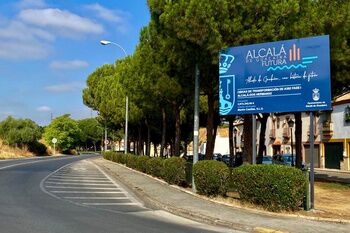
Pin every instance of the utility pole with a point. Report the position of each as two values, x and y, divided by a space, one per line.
196 123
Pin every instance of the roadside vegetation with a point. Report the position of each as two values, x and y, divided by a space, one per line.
20 137
272 187
24 138
259 187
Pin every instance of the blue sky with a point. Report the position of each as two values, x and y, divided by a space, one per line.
49 47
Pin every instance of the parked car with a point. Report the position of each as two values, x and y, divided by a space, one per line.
267 160
285 159
235 161
217 157
189 158
226 159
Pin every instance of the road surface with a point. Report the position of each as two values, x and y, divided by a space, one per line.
71 194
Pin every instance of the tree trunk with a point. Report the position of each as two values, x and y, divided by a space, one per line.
140 141
247 131
162 145
177 130
211 127
148 143
298 139
94 146
262 146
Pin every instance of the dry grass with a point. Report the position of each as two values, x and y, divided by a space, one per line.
331 201
7 152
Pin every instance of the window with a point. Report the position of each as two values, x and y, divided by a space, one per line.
347 113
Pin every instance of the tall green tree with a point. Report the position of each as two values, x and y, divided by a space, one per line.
91 132
65 130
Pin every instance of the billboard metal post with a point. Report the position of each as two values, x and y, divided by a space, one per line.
312 190
254 139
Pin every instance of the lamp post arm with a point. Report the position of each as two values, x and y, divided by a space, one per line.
120 47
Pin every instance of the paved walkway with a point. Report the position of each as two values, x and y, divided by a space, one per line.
158 194
332 175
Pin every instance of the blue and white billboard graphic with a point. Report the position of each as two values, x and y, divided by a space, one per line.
283 76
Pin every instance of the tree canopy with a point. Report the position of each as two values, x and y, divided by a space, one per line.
19 132
158 77
65 130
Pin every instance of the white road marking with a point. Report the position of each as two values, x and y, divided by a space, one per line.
82 183
80 180
70 187
87 183
90 192
80 177
106 204
43 160
98 198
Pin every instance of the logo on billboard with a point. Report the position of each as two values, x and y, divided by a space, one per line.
316 94
277 58
227 85
227 93
225 63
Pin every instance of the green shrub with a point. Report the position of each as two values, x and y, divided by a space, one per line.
174 171
274 187
114 157
122 158
130 161
154 166
141 163
211 177
189 166
108 155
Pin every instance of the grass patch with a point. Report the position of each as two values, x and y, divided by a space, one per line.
334 185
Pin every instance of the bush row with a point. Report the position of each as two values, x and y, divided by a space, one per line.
274 187
172 170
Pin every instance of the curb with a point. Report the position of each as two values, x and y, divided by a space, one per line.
150 202
217 221
331 171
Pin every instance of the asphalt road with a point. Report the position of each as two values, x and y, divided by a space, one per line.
70 194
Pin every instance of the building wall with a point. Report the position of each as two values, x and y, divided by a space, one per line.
341 129
341 134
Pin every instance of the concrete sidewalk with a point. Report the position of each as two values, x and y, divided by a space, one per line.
158 194
332 175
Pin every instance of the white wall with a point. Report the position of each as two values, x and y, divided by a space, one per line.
341 129
221 145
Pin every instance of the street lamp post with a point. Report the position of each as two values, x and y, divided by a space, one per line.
106 42
291 124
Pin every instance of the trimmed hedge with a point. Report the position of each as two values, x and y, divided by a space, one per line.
154 166
108 155
141 163
211 177
274 187
174 171
130 161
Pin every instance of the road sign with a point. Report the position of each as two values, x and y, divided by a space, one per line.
106 142
284 76
54 140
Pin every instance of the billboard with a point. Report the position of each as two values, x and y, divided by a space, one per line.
283 76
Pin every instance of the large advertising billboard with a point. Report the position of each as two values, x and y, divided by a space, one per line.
283 76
